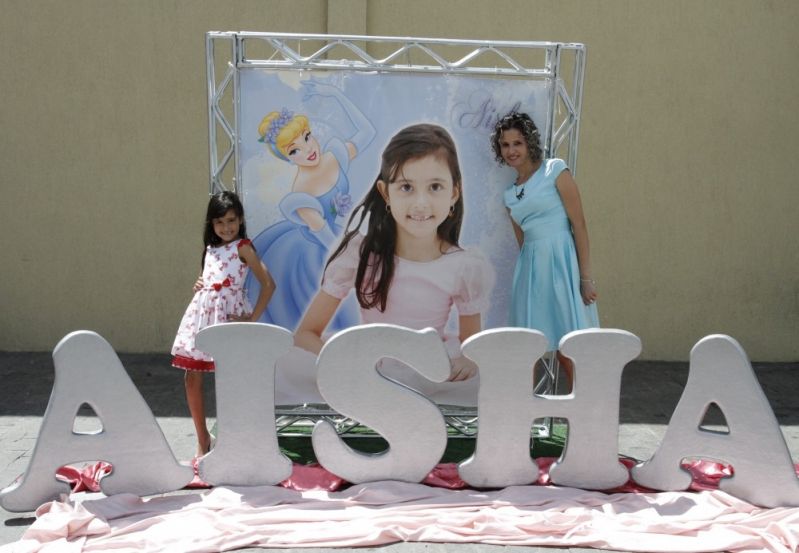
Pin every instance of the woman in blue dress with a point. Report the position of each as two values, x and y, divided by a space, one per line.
296 248
553 290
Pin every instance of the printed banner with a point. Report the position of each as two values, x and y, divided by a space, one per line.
298 201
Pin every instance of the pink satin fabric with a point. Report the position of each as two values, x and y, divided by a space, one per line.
386 512
705 476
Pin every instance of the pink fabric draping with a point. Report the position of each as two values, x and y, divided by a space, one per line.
386 512
84 479
705 476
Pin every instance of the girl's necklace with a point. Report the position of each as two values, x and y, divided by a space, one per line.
520 193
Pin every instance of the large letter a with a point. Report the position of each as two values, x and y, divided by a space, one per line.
87 370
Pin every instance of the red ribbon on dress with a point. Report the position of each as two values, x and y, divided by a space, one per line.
218 285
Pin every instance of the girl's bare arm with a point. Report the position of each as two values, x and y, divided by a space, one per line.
309 333
258 269
461 367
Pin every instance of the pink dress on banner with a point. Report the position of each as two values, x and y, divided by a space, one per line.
221 296
422 294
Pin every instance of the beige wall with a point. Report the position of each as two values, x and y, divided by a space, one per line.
687 162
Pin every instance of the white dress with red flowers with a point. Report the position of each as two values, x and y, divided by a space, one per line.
221 296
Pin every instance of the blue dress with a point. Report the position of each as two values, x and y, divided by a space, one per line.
295 256
546 281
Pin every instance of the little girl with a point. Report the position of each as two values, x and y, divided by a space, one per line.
218 297
408 269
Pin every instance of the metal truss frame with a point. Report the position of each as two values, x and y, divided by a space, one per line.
299 420
560 65
228 53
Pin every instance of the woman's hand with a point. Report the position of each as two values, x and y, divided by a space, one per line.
461 368
198 285
588 290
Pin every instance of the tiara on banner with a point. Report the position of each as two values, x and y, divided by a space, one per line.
275 126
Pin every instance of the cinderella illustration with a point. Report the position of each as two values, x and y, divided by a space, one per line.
296 249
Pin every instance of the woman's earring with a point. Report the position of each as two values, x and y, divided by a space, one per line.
452 210
388 208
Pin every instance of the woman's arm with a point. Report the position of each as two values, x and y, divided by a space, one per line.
570 196
309 333
257 267
517 231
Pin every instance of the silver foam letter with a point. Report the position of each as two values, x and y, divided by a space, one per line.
507 407
720 373
246 451
411 424
87 370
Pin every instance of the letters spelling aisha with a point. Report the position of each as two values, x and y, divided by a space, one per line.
247 453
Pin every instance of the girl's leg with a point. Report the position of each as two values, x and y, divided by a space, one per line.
568 370
194 397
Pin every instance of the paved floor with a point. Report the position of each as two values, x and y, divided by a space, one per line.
650 391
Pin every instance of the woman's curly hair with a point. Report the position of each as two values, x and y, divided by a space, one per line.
522 123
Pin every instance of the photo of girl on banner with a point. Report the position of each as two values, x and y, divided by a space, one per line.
329 129
406 267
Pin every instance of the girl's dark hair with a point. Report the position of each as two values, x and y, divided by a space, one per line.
522 123
218 205
376 264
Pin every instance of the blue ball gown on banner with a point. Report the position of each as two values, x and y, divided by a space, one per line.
295 255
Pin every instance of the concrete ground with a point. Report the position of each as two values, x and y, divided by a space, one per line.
649 394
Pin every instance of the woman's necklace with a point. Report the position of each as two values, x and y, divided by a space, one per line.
520 193
521 182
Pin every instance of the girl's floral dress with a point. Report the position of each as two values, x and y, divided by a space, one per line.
221 296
